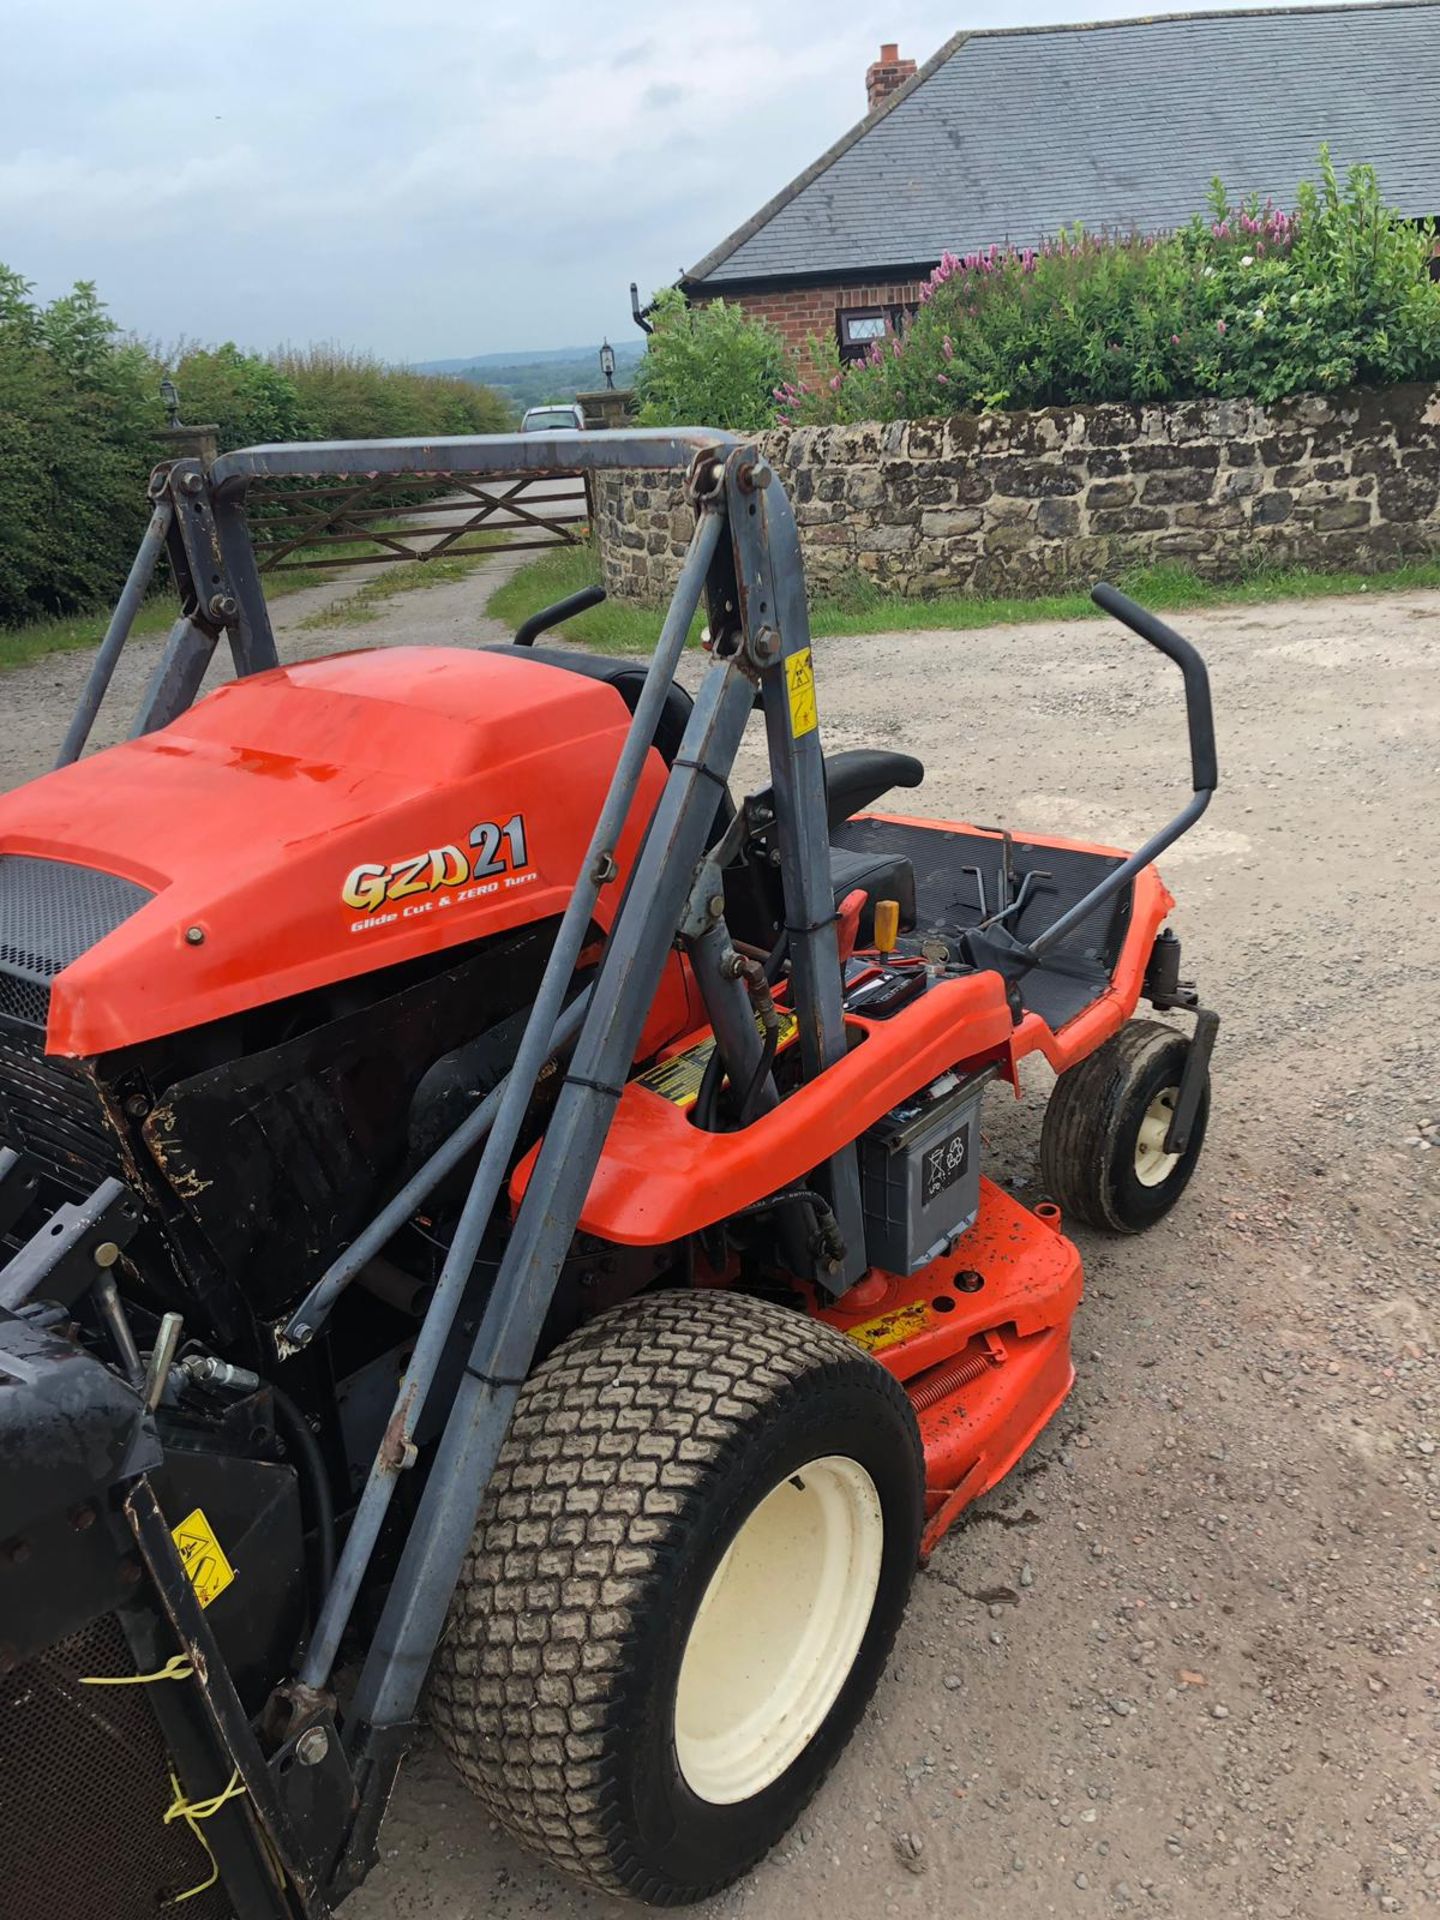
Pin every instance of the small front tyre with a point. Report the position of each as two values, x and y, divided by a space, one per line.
683 1586
1102 1147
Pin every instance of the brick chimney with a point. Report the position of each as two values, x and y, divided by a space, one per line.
888 73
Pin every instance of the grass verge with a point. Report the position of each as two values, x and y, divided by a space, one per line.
609 628
860 607
20 645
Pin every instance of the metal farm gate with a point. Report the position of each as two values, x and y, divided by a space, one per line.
300 527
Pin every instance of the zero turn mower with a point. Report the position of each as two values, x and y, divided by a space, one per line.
493 1214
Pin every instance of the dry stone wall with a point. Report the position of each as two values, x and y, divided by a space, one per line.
1031 502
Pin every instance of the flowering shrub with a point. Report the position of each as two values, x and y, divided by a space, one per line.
1247 301
710 366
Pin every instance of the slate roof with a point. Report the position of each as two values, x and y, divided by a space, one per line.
1006 136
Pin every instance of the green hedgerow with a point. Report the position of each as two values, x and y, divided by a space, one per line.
1247 301
80 412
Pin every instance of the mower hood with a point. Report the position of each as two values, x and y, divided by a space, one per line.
303 826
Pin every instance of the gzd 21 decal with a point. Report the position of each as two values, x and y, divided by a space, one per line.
498 858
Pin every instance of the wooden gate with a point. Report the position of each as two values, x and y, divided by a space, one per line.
297 527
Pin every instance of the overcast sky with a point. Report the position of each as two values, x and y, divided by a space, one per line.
426 179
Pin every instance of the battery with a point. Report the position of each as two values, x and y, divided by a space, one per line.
920 1173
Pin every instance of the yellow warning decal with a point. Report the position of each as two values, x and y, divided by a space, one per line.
678 1078
800 685
891 1328
202 1556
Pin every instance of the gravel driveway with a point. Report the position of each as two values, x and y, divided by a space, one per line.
1184 1661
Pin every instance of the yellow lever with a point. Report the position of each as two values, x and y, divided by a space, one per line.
887 923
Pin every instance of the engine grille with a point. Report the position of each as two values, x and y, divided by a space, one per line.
50 913
84 1782
50 1113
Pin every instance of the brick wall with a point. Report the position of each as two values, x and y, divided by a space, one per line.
797 313
1029 502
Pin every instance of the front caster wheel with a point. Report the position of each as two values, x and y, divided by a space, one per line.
683 1586
1102 1147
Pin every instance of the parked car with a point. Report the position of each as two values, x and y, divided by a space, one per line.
554 419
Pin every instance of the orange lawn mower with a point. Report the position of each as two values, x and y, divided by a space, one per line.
493 1227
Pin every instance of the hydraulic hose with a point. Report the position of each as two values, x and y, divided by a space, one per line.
315 1479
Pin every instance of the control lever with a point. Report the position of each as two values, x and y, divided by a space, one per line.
1204 771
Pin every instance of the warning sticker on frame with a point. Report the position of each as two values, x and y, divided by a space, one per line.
800 685
678 1078
890 1328
202 1556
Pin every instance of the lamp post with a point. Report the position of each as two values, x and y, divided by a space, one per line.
179 440
607 363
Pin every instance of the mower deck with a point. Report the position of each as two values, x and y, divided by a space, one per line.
980 1338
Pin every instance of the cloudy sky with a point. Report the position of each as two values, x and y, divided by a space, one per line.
427 179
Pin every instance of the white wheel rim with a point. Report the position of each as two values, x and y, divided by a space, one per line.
778 1630
1153 1165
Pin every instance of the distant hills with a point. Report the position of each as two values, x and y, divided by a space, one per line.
553 373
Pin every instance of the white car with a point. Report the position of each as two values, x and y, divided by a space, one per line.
556 419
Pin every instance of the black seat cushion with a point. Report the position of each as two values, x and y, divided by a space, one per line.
627 677
882 876
754 910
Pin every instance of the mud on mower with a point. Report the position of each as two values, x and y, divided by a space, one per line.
493 1226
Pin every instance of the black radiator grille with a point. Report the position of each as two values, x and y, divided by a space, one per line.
50 913
50 1112
85 1784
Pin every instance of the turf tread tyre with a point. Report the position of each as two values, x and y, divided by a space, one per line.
589 1522
1088 1137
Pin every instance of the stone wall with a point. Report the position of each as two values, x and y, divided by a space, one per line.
1025 502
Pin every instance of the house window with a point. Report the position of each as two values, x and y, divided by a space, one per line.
859 328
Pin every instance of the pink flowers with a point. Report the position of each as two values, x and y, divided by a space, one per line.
947 347
1220 326
1174 339
1260 226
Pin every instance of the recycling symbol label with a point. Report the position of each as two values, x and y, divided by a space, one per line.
945 1163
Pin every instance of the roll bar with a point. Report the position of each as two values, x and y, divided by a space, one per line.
650 448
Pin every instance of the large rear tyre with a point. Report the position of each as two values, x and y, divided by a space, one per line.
1102 1155
684 1583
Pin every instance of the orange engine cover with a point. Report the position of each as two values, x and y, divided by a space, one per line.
321 821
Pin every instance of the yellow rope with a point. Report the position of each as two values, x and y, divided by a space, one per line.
192 1812
175 1668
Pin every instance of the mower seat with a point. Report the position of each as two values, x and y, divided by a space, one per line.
858 777
627 677
878 877
854 779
